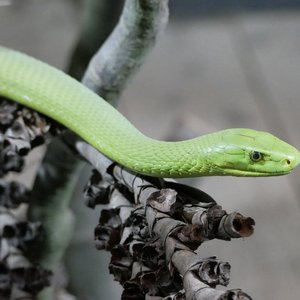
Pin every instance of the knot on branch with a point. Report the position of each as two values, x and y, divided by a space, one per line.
21 130
19 278
12 194
97 190
235 294
21 234
30 280
213 272
108 231
191 235
165 201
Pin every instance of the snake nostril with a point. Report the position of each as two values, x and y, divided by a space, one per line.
288 161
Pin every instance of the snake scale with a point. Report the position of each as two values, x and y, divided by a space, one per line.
237 151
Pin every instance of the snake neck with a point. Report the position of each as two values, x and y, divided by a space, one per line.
166 159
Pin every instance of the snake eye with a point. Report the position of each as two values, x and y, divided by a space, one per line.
256 156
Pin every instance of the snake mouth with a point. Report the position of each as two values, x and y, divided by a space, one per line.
280 167
244 173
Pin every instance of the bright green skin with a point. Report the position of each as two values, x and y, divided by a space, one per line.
43 88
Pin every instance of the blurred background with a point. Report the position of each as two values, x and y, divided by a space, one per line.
220 64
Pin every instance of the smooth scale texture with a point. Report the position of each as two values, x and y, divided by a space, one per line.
41 87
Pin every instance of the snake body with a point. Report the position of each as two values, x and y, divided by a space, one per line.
238 151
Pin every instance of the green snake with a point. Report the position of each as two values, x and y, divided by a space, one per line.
237 151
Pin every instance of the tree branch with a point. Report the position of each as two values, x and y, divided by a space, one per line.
180 220
111 68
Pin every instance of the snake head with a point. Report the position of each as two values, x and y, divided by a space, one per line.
247 152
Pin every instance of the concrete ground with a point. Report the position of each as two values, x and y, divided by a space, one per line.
208 74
